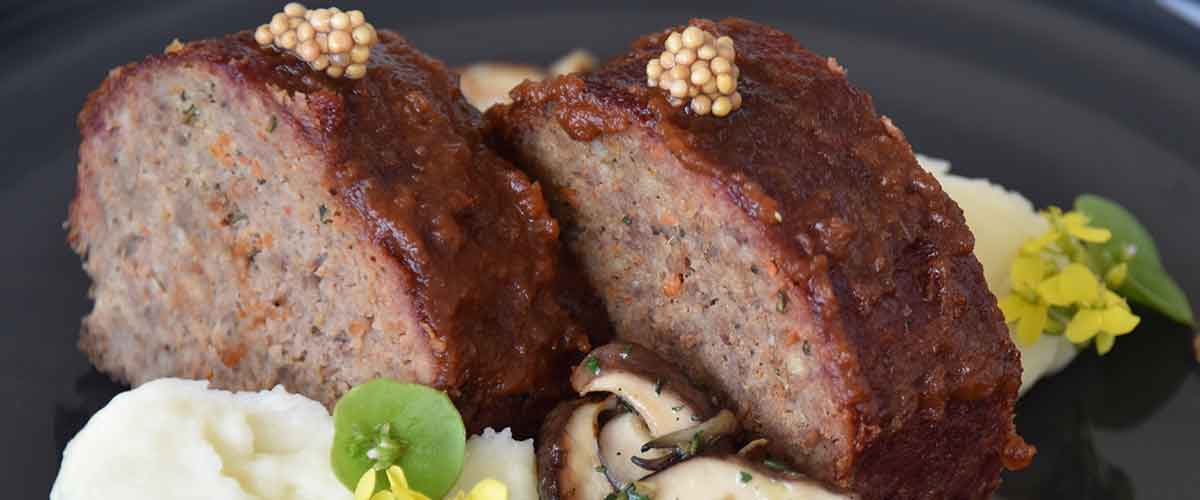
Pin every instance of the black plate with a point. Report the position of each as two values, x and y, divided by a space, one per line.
1041 100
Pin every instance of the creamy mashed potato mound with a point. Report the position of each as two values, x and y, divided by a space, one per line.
496 455
178 439
1002 220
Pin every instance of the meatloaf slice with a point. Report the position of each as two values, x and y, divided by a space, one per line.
249 221
792 257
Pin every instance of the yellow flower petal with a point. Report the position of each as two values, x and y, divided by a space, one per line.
1026 273
1077 284
1104 343
1031 325
1013 307
1091 234
459 495
1035 245
1109 298
1052 292
366 485
1073 220
396 476
384 495
1084 326
488 489
1118 321
1116 275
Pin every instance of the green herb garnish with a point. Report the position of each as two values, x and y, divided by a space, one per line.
1146 281
695 444
271 126
744 477
658 385
384 422
627 220
592 364
190 114
783 301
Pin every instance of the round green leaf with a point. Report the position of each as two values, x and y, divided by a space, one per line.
422 420
1147 282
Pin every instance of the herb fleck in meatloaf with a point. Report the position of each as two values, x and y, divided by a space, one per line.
253 222
791 256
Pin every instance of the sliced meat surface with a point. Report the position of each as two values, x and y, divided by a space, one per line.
250 221
792 257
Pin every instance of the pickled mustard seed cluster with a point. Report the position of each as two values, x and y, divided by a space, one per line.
699 66
338 43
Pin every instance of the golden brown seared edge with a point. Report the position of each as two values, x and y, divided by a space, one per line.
916 344
471 233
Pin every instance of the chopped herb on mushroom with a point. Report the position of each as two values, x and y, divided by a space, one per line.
774 464
634 378
732 478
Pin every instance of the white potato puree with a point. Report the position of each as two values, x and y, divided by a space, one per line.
1001 220
178 439
496 455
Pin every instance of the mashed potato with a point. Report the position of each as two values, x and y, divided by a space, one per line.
498 456
1001 220
177 439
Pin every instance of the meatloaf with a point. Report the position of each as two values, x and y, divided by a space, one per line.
247 220
792 257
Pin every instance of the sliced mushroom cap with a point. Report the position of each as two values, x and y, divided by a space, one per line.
568 455
621 439
731 478
658 392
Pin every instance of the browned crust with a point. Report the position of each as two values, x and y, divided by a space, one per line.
915 348
407 162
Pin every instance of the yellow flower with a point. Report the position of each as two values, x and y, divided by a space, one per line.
1105 325
488 489
1035 245
1115 275
1075 284
1030 318
365 490
1026 273
1076 225
1054 282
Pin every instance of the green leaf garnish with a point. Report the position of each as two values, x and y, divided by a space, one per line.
384 422
1146 282
744 477
592 364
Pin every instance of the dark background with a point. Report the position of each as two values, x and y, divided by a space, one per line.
1051 99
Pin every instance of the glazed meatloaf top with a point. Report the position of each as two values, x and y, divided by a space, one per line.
471 235
884 255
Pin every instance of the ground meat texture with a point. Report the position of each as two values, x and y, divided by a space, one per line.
250 221
792 256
